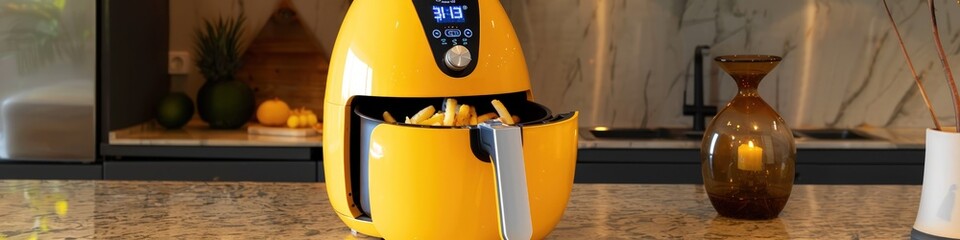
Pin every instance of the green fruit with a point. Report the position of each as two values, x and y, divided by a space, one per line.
225 104
174 110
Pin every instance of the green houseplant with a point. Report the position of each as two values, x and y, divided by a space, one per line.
222 102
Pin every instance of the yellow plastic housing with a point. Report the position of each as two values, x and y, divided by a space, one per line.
382 50
426 183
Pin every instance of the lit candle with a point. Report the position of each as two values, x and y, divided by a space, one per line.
749 157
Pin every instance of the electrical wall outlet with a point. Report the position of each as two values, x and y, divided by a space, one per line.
178 62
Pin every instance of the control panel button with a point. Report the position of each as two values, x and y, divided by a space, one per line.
452 33
468 33
436 33
457 58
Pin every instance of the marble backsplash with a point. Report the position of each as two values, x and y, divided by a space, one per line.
626 63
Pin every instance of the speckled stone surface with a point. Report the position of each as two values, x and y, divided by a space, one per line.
218 210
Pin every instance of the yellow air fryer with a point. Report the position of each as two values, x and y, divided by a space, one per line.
407 181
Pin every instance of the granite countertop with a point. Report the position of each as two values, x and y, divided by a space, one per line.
204 210
885 138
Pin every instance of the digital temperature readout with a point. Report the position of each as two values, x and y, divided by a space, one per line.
448 13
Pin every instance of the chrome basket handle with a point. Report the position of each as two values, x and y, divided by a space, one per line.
504 144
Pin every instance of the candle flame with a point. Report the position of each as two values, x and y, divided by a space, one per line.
750 143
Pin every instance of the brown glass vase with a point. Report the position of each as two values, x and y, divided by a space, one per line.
748 154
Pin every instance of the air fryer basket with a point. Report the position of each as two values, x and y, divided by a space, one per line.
372 108
368 112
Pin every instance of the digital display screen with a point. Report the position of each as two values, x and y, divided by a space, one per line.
448 13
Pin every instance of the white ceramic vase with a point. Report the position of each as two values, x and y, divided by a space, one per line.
939 214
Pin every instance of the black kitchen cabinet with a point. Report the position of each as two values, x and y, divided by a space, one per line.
212 163
814 166
638 166
13 169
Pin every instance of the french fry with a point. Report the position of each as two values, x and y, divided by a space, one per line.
388 118
454 115
502 111
463 115
423 114
450 116
485 117
437 118
473 115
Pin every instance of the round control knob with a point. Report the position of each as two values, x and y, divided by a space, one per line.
457 58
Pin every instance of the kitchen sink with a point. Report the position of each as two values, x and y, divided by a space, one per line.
833 134
646 133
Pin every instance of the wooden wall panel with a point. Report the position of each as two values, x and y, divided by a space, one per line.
286 61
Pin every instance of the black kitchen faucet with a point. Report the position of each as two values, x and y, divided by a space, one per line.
698 110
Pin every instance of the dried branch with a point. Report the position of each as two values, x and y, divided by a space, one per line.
903 48
946 65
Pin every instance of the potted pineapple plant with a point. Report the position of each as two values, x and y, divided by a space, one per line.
222 102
